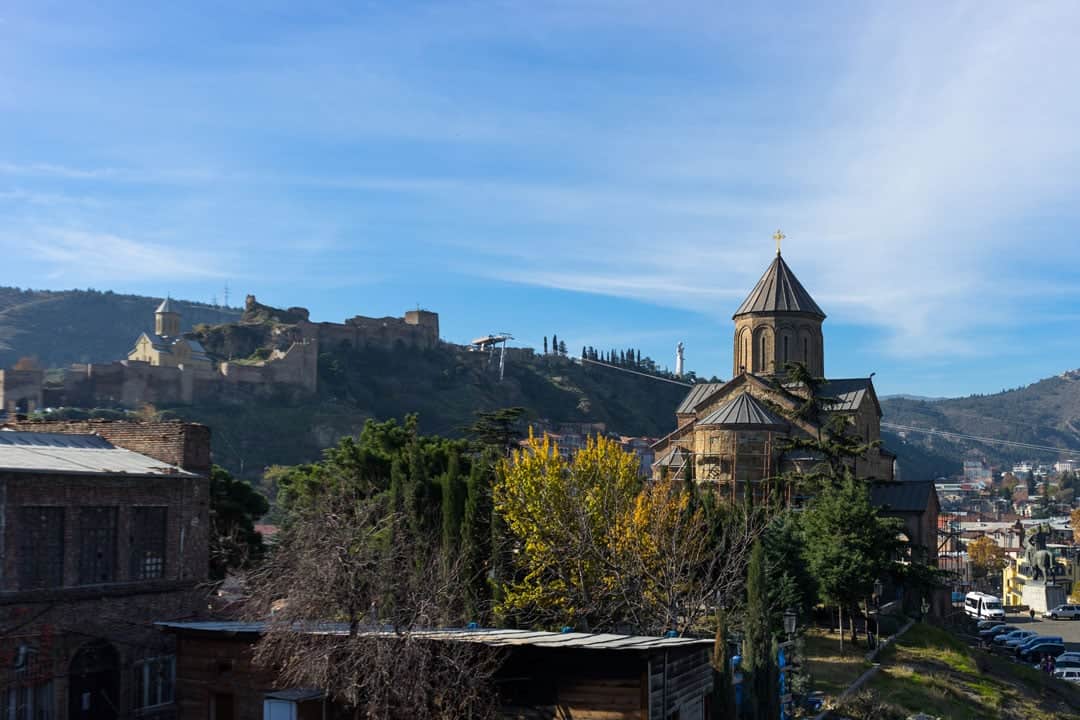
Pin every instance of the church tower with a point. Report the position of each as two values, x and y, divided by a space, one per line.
167 320
778 323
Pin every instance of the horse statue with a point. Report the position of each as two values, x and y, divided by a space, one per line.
1037 556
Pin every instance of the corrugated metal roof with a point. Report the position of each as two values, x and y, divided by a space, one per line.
779 290
697 393
744 412
846 394
487 636
675 459
82 454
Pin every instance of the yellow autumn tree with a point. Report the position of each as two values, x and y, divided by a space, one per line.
987 557
597 551
564 517
1074 522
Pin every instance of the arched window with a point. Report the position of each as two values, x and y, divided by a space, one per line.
806 350
785 349
764 363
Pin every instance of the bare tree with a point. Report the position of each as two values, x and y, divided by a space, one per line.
349 608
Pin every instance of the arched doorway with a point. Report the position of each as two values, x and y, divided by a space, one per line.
94 683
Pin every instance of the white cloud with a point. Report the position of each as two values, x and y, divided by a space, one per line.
90 255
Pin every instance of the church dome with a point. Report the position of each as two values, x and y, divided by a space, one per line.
744 412
779 291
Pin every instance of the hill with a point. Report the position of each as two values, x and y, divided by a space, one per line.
60 327
444 385
1044 413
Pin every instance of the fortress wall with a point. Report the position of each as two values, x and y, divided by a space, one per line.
21 390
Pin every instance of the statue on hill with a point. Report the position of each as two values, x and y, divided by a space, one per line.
1037 556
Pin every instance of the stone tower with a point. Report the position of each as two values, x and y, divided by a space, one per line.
167 319
778 323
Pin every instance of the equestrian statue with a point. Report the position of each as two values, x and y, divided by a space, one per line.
1037 556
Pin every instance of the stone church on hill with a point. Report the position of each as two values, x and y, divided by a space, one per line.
737 432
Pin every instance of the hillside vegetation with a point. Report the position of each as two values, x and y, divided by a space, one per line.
66 326
445 386
1043 413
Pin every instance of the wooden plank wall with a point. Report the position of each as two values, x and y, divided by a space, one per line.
689 676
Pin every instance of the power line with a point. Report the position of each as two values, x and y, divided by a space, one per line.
979 438
635 372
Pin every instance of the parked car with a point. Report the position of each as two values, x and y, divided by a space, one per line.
1063 612
1038 639
1034 652
994 630
1071 656
987 624
1069 674
1014 638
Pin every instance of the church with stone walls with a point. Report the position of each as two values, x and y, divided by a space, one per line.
736 435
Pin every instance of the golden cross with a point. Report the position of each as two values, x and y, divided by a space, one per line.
778 237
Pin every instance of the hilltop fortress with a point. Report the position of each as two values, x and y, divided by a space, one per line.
270 351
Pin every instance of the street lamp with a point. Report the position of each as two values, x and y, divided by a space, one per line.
879 588
790 618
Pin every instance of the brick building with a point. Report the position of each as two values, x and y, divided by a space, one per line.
103 531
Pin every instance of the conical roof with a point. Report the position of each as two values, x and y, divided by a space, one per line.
166 306
744 412
779 290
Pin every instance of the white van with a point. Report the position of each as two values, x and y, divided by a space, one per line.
982 606
1070 674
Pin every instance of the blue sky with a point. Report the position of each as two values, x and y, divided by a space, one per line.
608 171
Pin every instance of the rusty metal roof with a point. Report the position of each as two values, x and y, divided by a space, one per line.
779 290
486 636
744 412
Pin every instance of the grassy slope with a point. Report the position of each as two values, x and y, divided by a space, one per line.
830 670
932 671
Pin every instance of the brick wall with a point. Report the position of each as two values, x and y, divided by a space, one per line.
184 444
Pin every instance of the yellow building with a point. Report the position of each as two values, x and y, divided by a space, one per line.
1017 574
166 346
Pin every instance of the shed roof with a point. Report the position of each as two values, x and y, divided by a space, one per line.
744 412
79 454
487 636
779 290
902 496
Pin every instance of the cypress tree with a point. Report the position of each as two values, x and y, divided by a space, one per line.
757 640
583 352
453 506
545 344
555 344
476 537
723 701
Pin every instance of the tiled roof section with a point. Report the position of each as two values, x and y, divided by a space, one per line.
744 412
486 636
901 497
79 454
697 393
779 290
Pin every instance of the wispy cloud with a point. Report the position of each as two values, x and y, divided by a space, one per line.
89 255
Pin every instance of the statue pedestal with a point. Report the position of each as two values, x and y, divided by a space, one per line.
1041 597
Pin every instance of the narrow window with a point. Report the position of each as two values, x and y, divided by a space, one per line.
764 364
97 545
147 543
805 350
41 547
28 702
155 680
785 349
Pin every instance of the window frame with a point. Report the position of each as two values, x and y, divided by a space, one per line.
91 569
144 670
41 547
143 544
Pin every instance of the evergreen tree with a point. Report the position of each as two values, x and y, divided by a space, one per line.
584 352
562 348
638 363
757 634
723 700
555 344
1030 483
453 506
476 536
545 345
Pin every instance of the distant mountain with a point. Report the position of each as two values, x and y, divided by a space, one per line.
1044 413
60 327
903 396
